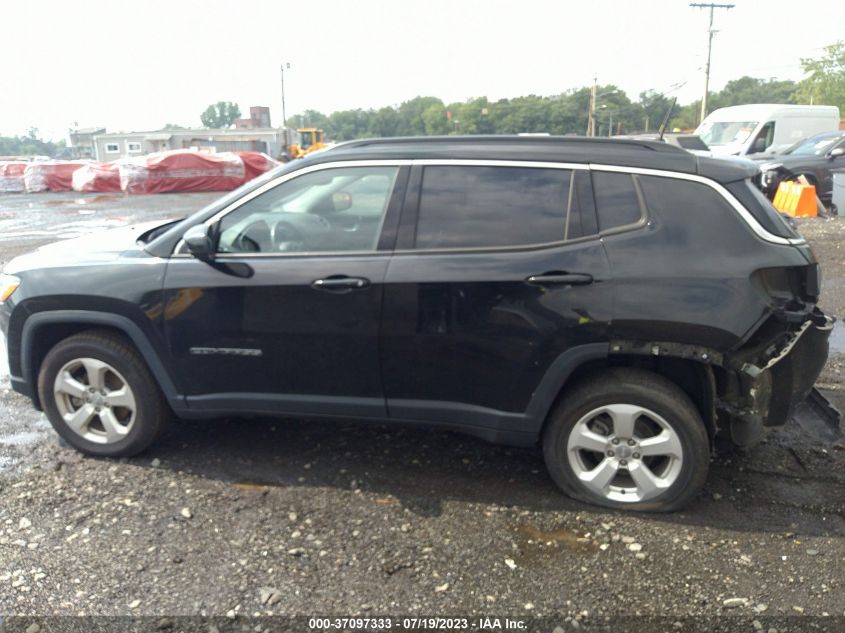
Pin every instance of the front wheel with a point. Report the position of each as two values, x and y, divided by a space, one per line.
627 439
99 395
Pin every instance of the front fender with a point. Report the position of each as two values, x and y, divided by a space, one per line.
37 323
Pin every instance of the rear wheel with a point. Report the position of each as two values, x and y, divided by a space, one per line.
627 439
100 397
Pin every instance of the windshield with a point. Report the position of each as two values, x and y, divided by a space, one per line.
818 145
725 132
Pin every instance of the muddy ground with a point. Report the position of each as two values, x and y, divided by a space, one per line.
238 518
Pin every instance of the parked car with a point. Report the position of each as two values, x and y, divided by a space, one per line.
619 303
760 128
814 158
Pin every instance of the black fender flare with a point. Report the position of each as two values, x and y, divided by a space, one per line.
555 378
37 321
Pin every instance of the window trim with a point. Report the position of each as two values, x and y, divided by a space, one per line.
393 202
116 149
749 219
389 202
744 214
643 220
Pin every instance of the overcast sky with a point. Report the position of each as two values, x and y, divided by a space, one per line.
139 65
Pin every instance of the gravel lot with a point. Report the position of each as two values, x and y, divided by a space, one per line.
239 518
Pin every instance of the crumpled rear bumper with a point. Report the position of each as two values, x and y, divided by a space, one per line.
795 373
776 383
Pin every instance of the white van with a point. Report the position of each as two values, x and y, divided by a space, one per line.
764 128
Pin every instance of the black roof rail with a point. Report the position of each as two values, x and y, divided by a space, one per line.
647 145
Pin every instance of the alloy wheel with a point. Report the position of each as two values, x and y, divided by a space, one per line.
95 400
625 453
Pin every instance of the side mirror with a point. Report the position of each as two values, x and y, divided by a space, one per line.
200 242
837 152
341 200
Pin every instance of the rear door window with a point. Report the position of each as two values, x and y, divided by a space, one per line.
494 207
617 203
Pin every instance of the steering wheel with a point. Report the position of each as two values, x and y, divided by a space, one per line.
287 238
255 238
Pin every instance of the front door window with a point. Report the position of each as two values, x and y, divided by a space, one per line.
328 211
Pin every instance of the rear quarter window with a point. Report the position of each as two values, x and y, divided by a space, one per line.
759 206
699 221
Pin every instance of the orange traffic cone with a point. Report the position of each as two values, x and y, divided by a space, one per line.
805 203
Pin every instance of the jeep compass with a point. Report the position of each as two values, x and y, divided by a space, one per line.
620 303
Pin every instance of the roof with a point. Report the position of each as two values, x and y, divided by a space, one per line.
756 111
197 132
636 153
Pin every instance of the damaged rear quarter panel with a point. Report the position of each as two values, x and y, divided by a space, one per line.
695 296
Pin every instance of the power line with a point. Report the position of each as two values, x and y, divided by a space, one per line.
710 33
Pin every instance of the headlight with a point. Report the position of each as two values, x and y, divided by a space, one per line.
769 172
8 284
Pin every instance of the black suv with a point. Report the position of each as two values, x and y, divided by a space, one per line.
814 158
619 302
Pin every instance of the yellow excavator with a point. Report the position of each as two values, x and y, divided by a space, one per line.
311 140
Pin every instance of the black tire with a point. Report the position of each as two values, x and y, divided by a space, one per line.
632 387
151 410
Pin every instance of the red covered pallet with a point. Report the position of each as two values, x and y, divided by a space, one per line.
181 170
97 177
11 176
256 163
50 175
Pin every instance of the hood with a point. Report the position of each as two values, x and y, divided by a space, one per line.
788 161
729 149
101 246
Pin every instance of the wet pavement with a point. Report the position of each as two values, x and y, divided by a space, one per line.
31 220
257 517
28 221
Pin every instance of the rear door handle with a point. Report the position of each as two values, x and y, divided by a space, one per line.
560 279
340 283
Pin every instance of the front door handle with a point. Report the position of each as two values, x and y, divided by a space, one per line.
560 279
340 283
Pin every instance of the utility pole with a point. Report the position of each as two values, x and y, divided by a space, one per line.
710 33
284 117
591 114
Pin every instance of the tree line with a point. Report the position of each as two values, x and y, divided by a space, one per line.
567 113
29 145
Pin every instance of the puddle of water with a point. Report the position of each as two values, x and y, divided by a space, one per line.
255 486
105 197
4 363
837 338
561 537
24 438
63 202
7 235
